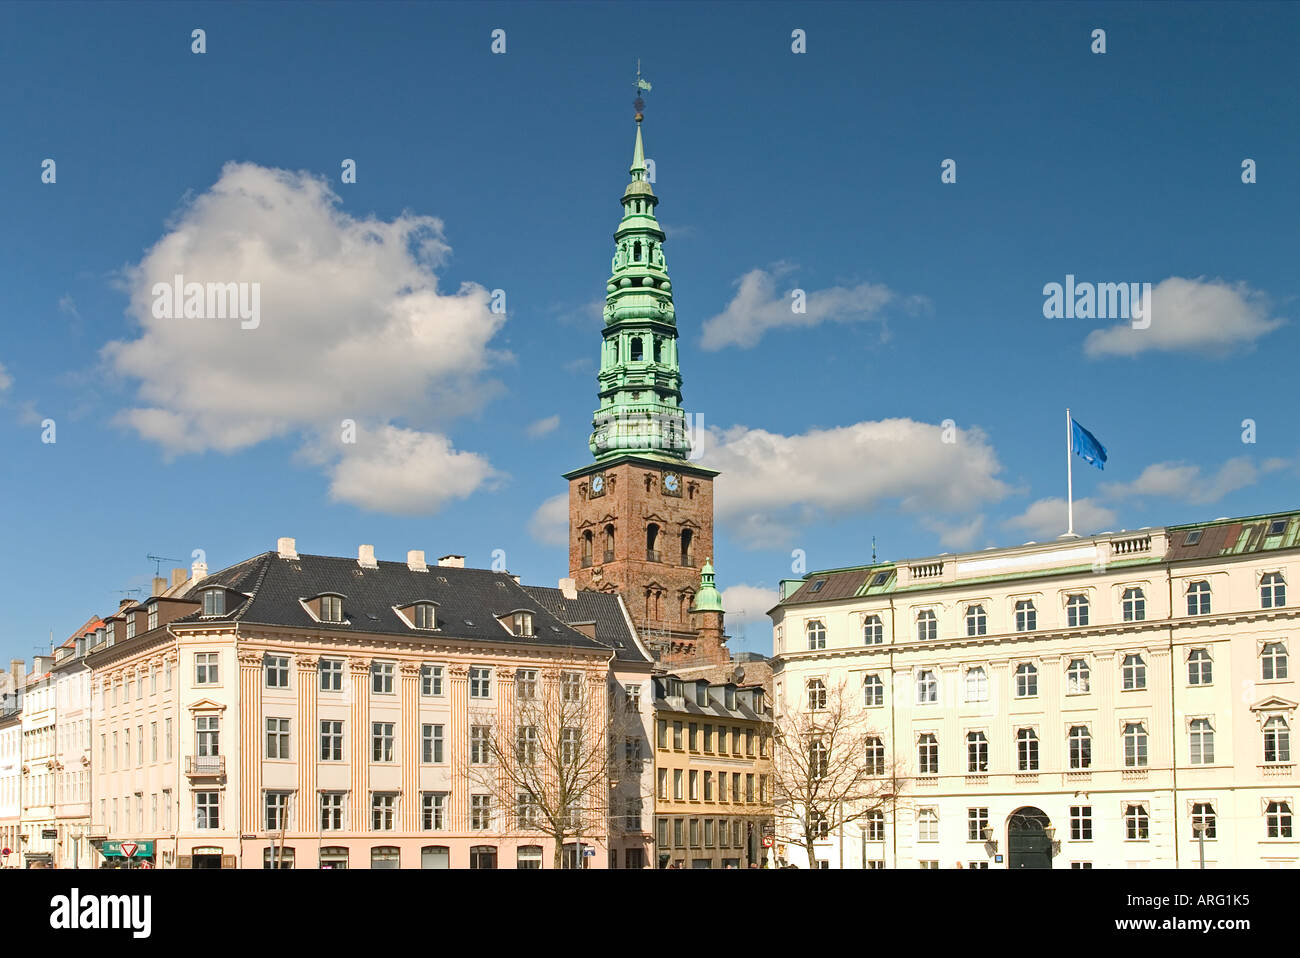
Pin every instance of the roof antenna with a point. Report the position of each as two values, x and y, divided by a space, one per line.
873 550
158 561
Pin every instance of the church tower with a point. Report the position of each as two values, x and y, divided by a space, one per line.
641 513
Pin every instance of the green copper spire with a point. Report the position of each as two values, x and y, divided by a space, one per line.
708 599
640 381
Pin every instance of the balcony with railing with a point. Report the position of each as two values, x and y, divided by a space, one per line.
205 766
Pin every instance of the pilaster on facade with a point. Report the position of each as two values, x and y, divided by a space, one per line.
307 669
359 768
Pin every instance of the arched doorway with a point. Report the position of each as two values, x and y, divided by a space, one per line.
1028 844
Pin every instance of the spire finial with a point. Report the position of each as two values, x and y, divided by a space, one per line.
641 84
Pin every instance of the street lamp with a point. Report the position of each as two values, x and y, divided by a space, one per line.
1198 829
986 833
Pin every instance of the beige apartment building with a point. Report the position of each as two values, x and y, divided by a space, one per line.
318 711
1112 701
713 756
73 719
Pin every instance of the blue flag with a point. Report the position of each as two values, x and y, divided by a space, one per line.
1087 446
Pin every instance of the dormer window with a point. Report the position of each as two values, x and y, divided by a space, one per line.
331 608
214 602
130 625
153 616
521 623
424 616
702 693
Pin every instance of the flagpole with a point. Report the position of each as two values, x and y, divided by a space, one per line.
1069 471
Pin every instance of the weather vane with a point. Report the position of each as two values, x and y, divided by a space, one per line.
641 84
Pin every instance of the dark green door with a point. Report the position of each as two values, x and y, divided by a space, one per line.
1027 843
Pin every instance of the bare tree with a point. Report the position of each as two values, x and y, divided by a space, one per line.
551 764
830 767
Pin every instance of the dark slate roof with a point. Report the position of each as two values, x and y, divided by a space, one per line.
835 585
267 590
687 704
604 609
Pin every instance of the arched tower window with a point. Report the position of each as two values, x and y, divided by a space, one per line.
636 349
688 538
586 548
636 252
659 349
651 541
609 543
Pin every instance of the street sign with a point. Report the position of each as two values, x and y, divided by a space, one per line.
767 841
143 848
6 852
49 833
128 849
589 853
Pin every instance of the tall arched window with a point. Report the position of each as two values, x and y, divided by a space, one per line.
688 539
1027 750
1078 677
586 548
1277 741
651 542
1278 819
659 349
977 623
927 754
1026 681
1080 747
816 634
873 630
1134 673
816 694
636 252
1134 605
873 692
977 752
875 757
1273 661
927 688
927 626
1135 745
1202 741
818 759
1076 611
1200 670
977 685
1026 616
609 543
1198 598
636 350
1272 591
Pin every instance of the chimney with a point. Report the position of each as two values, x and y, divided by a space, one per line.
569 588
199 570
17 672
516 578
123 603
586 628
286 548
366 557
454 561
415 561
178 577
159 585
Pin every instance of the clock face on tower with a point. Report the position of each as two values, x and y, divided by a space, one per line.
672 483
597 485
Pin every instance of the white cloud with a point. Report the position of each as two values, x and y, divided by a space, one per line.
1046 518
1199 315
542 427
5 379
353 326
759 306
746 607
549 525
958 536
405 472
1185 481
770 482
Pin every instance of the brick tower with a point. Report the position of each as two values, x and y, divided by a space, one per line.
641 514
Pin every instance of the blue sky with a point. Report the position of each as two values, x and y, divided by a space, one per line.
775 170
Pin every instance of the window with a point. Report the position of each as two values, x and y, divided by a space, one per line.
1272 661
1135 745
1198 598
207 809
677 784
1080 823
167 738
331 811
521 623
977 685
431 744
277 811
1027 750
661 791
927 687
331 675
1026 681
816 694
1134 672
478 745
331 740
977 752
277 671
153 615
1080 745
708 786
207 734
1136 823
1202 736
816 634
819 826
480 683
632 697
385 856
977 819
1272 591
1192 537
1078 677
277 738
571 686
873 630
693 778
430 680
381 678
927 626
927 754
526 685
695 832
153 741
1203 821
661 735
1200 670
1277 741
382 741
875 757
927 825
677 736
977 622
1026 616
425 617
383 808
1277 817
931 864
875 827
818 759
570 746
873 692
528 814
331 608
205 668
214 602
1076 611
1134 605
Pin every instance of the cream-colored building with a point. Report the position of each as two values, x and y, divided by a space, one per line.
11 767
72 731
1113 701
37 832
